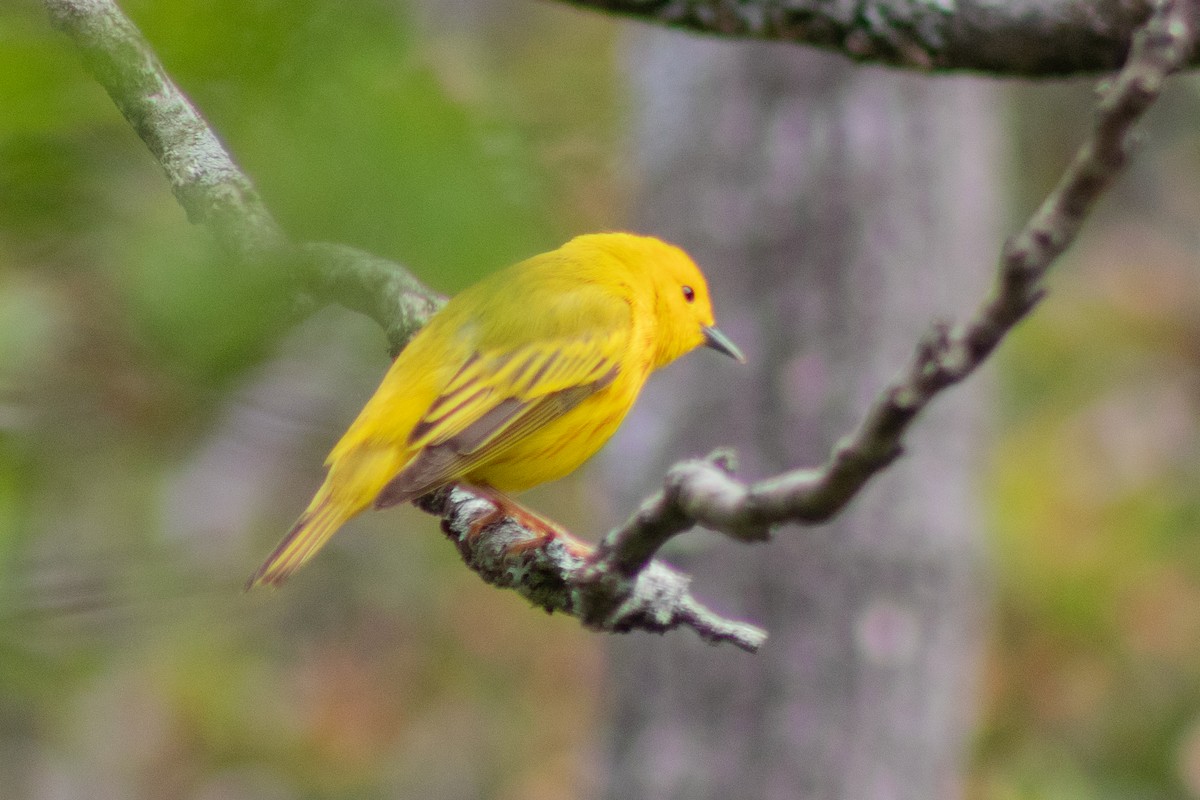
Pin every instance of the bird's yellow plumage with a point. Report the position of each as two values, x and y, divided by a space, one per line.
516 381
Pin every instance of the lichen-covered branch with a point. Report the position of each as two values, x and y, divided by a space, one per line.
547 572
1026 38
213 190
617 586
209 186
704 492
217 194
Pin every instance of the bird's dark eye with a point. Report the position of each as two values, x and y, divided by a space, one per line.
689 294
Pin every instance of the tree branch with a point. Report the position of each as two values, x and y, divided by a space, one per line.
594 583
617 586
206 182
1026 38
543 571
214 191
370 285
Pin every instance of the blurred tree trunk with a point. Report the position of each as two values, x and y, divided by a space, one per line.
837 210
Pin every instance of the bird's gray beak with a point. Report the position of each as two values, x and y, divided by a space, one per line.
720 342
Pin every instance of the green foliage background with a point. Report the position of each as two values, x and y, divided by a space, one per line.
163 416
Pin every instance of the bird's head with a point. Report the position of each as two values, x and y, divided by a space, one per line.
663 286
682 305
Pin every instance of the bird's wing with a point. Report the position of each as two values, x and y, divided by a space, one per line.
496 399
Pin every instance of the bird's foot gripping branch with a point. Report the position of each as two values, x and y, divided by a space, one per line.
557 572
617 586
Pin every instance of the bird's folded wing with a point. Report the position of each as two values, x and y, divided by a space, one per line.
497 399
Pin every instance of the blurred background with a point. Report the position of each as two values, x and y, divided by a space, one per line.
164 416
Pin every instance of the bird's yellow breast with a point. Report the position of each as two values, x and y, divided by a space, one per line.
561 446
515 382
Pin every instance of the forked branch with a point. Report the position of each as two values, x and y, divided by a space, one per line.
618 586
704 492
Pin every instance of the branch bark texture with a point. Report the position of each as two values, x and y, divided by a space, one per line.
704 493
214 191
618 586
656 598
207 183
1026 38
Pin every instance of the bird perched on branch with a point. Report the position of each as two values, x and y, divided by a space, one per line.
516 381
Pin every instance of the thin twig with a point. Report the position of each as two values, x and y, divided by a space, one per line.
703 492
618 586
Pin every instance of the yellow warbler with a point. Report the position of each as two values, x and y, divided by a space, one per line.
516 381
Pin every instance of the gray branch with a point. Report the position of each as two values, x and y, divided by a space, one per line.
370 285
594 584
206 182
1027 38
704 493
545 572
214 191
617 586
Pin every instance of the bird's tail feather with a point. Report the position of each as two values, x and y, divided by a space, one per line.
310 533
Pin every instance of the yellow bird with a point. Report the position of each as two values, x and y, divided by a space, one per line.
516 381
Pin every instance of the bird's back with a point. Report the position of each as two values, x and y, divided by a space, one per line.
559 322
515 382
